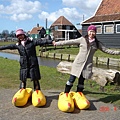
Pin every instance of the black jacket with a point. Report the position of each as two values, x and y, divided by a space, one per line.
29 67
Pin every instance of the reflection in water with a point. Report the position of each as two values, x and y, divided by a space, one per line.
42 61
9 56
48 62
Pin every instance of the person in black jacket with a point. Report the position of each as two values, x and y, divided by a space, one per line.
29 67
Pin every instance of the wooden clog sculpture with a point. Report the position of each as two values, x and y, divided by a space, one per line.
38 98
21 97
80 100
65 102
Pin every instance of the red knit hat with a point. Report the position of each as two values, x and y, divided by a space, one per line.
20 32
92 27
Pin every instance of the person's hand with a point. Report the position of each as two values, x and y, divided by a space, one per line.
54 43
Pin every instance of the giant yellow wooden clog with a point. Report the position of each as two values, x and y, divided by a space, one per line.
65 102
21 97
80 100
38 98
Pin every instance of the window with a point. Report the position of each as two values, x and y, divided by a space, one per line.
118 28
99 29
36 36
109 29
67 27
56 28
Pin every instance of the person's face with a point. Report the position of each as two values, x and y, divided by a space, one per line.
21 37
91 34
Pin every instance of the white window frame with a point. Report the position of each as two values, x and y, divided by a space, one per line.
100 28
112 25
116 28
56 28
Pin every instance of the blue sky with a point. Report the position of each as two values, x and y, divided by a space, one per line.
15 14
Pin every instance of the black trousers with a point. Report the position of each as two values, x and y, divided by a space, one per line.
36 84
70 82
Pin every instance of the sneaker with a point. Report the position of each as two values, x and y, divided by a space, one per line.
21 97
65 102
38 98
80 100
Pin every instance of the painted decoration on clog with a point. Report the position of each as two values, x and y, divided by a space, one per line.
80 100
21 97
38 98
65 102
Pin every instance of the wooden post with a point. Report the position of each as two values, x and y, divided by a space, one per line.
108 61
42 49
41 54
96 60
69 57
61 56
47 54
54 56
55 47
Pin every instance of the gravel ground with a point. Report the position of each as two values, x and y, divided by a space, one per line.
97 111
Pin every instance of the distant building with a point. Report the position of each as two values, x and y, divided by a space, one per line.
62 29
107 21
37 32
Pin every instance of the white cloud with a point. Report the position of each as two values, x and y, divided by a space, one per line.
69 13
1 7
75 10
92 4
83 6
21 8
24 6
19 17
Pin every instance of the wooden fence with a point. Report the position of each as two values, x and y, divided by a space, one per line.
98 61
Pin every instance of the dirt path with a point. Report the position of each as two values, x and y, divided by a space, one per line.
97 111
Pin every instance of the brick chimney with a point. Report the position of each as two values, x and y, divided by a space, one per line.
37 25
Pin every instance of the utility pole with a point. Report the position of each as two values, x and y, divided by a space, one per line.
83 17
46 23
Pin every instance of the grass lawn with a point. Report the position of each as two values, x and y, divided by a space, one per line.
52 79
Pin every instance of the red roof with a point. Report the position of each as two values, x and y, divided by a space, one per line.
62 21
109 10
109 7
35 30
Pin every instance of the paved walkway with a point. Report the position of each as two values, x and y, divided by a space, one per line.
97 111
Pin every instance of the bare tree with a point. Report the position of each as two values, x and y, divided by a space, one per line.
5 34
12 34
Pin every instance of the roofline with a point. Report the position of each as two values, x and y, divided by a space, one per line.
94 12
98 7
101 22
62 24
66 30
88 18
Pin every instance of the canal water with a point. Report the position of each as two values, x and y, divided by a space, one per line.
42 61
47 61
